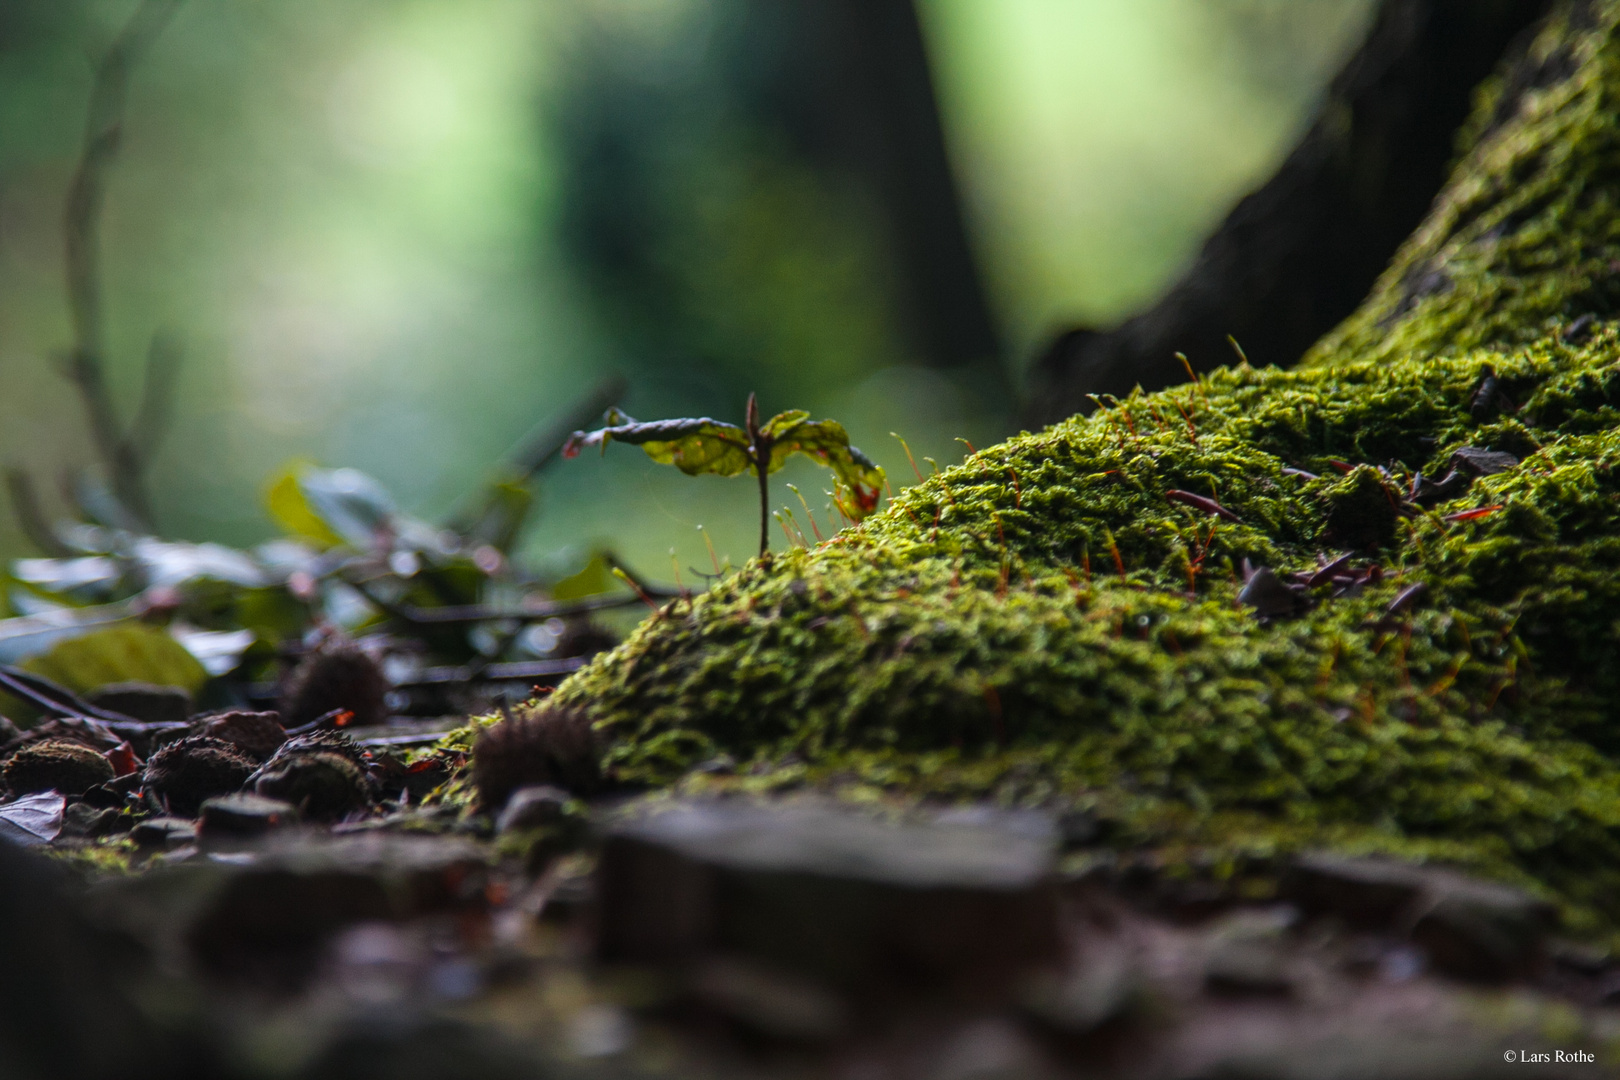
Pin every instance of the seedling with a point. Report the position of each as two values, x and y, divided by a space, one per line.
698 446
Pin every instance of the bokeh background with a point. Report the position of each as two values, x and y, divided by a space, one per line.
398 234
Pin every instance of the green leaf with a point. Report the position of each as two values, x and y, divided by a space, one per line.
858 478
120 654
352 504
290 510
780 424
595 578
695 446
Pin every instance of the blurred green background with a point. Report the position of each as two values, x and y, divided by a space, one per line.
397 234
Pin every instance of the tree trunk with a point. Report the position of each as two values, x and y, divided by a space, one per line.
1298 255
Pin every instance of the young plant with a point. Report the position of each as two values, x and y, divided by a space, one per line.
697 446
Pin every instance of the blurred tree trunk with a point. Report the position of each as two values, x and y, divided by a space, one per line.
856 87
1296 256
763 140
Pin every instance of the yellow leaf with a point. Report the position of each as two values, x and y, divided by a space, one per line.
285 502
120 654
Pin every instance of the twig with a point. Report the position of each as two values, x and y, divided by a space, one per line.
52 698
30 518
543 444
454 614
151 421
82 224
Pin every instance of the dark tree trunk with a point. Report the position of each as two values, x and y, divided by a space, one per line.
872 109
1294 258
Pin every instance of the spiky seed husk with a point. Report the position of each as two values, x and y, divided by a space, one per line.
324 786
189 770
55 765
337 675
324 742
538 745
256 734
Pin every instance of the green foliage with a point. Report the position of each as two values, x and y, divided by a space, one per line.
120 654
702 446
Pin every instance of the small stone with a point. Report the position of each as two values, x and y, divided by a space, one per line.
189 771
770 1002
839 898
1470 929
1368 893
1269 596
86 821
149 703
1483 462
268 922
242 816
536 807
114 794
55 765
166 833
1426 492
1248 969
1482 931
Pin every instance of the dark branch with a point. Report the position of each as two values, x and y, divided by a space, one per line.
30 518
461 614
151 421
82 226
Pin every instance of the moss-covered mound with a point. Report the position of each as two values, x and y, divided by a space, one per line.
1059 616
1482 713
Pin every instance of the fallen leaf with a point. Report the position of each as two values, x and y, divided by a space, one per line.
32 819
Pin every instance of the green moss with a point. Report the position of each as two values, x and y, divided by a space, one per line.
1049 622
95 859
981 652
1525 238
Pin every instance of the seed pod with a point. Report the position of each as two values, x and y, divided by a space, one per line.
323 786
337 675
55 765
539 745
189 770
256 734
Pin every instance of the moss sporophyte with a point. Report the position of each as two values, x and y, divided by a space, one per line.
1058 617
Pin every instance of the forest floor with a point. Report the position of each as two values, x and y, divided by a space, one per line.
707 932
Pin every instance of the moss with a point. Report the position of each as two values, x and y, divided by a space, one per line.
1525 238
1056 619
97 859
1043 633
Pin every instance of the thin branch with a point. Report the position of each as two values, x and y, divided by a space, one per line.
30 518
53 699
451 615
540 447
82 227
152 416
